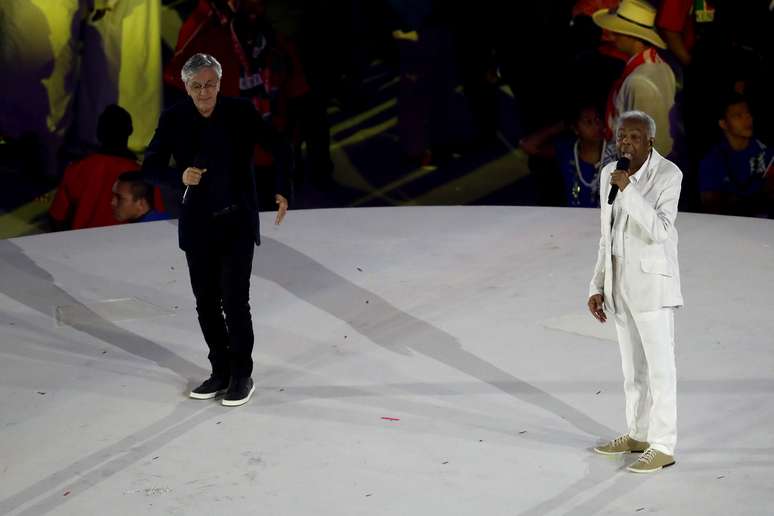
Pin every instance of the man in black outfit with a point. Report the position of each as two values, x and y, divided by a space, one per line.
212 139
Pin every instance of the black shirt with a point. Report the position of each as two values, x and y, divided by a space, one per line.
216 190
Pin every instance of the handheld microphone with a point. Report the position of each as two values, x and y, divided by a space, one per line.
622 164
198 162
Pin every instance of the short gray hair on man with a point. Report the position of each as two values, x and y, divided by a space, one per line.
639 116
198 62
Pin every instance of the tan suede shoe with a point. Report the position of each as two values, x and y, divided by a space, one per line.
651 461
621 445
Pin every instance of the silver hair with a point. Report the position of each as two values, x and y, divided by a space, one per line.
198 62
639 116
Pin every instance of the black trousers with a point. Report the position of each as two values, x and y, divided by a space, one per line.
220 267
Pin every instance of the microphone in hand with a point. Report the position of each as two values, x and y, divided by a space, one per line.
622 164
191 177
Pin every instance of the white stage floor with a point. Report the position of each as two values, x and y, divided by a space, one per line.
409 361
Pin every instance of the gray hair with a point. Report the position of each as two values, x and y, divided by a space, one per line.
198 62
639 116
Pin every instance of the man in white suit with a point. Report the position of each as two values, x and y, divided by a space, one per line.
637 278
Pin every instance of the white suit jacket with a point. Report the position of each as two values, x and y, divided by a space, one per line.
651 278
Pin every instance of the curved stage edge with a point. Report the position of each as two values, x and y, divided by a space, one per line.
428 360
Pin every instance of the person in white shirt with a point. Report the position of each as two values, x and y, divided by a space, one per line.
637 278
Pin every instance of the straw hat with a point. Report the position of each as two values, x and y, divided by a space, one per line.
634 18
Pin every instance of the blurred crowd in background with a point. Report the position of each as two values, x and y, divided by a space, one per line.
464 80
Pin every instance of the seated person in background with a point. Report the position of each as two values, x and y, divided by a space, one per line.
580 157
576 146
737 177
83 197
133 199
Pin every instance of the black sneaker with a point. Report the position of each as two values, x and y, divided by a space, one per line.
239 392
211 388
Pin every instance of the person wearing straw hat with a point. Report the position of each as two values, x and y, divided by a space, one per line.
647 83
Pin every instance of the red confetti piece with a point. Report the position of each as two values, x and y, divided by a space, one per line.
391 419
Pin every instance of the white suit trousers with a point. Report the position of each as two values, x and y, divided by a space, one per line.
647 344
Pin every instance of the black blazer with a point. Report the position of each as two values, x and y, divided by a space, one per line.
238 127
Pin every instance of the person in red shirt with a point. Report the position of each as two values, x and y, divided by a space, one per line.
679 20
607 42
701 64
207 30
271 76
86 190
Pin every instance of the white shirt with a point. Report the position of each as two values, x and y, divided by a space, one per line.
620 216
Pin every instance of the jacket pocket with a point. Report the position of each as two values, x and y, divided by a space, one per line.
656 266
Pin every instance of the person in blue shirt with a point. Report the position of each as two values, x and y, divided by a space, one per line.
579 157
133 199
736 176
575 147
